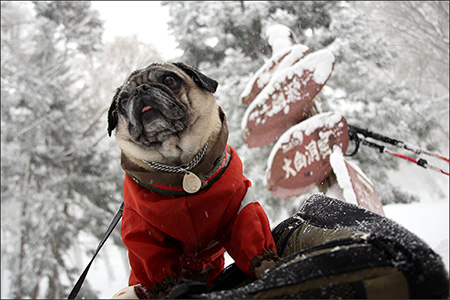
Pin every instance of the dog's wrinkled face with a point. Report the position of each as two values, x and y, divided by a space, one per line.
149 101
155 103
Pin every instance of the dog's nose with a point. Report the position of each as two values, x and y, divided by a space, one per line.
142 90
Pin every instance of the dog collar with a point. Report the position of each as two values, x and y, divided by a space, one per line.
191 182
180 189
207 171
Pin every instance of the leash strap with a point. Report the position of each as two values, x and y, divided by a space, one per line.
111 227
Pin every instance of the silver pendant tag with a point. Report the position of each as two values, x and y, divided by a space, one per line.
191 183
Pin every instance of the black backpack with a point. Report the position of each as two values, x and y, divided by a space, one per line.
333 249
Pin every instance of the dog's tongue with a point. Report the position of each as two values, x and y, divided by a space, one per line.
145 108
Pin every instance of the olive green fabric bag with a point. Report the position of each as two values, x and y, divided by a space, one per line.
333 249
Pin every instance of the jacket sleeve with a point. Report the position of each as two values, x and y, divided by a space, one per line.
251 238
152 254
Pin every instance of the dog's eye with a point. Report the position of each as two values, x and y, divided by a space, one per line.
123 98
170 82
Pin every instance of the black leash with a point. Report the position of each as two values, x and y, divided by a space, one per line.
111 227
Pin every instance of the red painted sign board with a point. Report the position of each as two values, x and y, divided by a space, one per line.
365 192
287 98
280 60
356 187
299 161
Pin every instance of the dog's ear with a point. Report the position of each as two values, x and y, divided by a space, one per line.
113 118
199 78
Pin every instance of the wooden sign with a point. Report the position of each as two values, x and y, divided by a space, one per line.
279 61
356 187
299 161
286 99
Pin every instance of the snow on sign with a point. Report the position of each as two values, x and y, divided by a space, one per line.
356 187
286 99
283 59
299 161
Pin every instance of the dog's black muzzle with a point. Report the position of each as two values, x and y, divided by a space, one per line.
155 114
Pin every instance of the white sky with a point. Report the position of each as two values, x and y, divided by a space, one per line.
147 19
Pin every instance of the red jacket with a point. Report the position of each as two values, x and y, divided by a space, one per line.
164 233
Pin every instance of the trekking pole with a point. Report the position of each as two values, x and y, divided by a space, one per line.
421 162
367 133
382 149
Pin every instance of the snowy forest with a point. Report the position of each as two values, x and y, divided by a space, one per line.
61 180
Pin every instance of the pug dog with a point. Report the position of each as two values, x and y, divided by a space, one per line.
186 198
